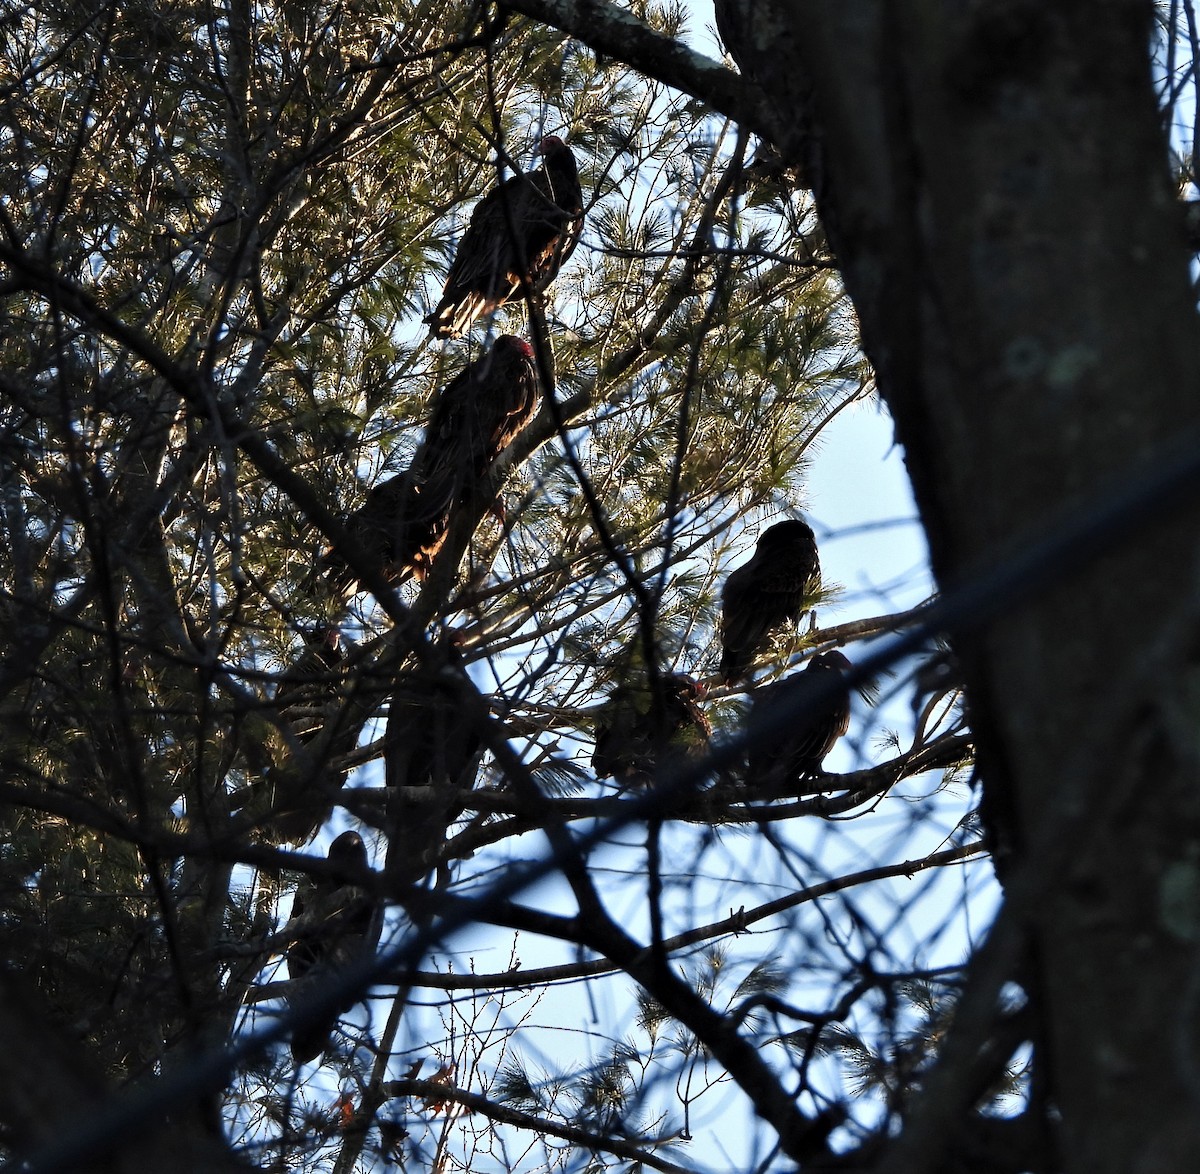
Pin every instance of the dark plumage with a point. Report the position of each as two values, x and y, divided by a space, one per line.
756 39
777 762
521 231
339 924
296 785
404 521
731 31
311 682
431 757
766 594
639 732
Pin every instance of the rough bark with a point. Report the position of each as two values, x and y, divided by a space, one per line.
994 182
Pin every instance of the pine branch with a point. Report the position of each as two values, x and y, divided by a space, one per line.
617 33
435 1092
734 924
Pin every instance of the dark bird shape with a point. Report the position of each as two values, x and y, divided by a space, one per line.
732 31
775 762
431 755
320 715
641 730
305 686
405 520
521 232
757 40
766 594
337 923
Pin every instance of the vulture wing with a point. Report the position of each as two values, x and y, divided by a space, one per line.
405 520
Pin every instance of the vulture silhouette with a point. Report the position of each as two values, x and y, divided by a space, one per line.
818 719
641 730
431 756
520 233
317 704
404 522
339 923
767 594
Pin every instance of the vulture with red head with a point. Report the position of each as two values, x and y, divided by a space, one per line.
641 730
818 715
767 594
405 520
336 924
520 233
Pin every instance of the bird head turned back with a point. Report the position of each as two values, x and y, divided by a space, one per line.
558 162
348 851
832 661
328 641
684 687
789 533
509 346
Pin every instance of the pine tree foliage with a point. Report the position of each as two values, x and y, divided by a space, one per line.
220 227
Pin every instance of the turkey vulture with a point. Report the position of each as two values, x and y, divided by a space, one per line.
431 757
295 789
733 35
766 594
405 520
340 924
777 762
639 731
756 41
521 231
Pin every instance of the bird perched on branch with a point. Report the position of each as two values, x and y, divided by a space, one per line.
641 730
818 714
728 17
320 716
520 233
337 923
405 520
767 594
431 754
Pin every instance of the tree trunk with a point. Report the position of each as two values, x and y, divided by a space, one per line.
993 179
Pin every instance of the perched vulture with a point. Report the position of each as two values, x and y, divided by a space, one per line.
521 231
311 682
757 41
639 732
400 527
767 594
431 756
297 786
338 924
777 762
728 14
404 521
